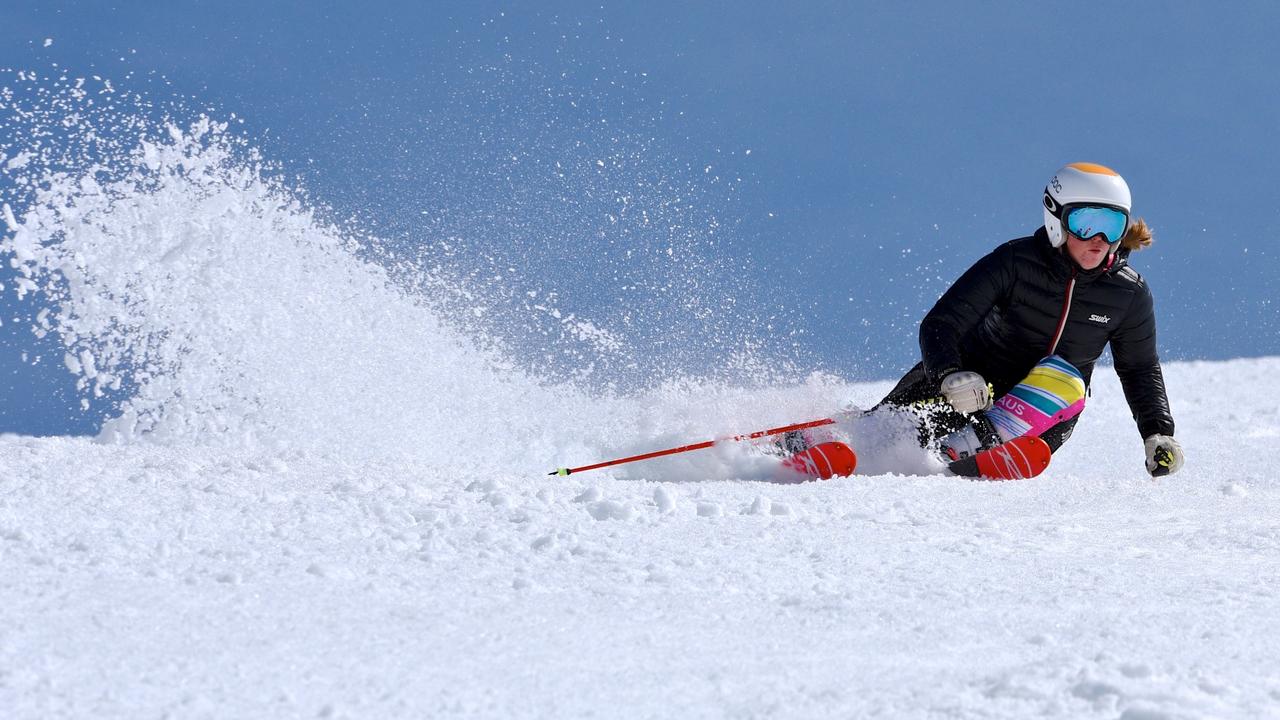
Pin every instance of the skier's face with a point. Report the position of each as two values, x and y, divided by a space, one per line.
1088 254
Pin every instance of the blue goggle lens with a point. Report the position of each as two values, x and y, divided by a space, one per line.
1088 220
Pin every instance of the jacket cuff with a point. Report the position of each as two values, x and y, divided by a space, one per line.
1148 429
937 376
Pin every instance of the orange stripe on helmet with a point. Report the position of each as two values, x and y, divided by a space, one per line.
1094 168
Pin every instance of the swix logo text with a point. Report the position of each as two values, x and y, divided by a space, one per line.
1104 319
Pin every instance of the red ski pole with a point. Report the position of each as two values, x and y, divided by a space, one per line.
695 446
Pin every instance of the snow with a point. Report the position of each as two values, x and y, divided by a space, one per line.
321 499
144 579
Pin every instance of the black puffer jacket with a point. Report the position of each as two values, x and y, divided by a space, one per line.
1000 318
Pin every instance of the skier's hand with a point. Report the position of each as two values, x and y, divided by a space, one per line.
966 391
1164 455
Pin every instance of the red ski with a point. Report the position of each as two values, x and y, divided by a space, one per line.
823 461
1019 459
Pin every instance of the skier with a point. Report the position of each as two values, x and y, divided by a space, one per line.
1026 323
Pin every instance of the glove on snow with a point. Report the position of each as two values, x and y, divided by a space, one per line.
1164 455
966 391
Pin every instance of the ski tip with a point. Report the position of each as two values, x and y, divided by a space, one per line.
561 471
824 461
1022 458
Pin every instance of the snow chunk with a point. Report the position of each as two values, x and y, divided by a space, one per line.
17 162
24 286
590 495
1234 489
87 364
610 510
665 500
709 509
48 42
486 486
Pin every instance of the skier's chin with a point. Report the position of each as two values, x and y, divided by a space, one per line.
1088 258
1092 260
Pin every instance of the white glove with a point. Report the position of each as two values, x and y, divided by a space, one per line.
966 391
1164 455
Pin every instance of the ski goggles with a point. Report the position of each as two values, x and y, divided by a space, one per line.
1088 221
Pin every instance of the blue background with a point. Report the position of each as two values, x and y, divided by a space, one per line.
890 144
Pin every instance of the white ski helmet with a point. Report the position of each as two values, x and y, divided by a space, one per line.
1082 184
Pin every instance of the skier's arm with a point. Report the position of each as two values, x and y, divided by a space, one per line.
1133 346
961 308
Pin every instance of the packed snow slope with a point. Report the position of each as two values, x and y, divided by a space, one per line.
181 580
319 494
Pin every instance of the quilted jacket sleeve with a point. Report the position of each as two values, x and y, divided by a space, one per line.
1133 346
962 307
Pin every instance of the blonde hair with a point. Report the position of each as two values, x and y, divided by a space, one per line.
1138 236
